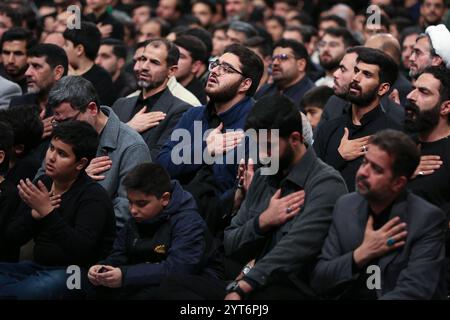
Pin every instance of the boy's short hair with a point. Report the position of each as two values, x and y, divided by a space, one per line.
88 36
6 144
26 125
316 97
80 135
148 178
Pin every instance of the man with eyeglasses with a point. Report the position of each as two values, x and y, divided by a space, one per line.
233 79
120 148
289 64
332 48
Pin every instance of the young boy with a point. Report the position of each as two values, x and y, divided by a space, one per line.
313 103
68 215
9 199
165 236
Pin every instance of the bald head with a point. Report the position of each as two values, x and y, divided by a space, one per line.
386 43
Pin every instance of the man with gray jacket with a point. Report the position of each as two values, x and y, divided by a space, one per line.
120 147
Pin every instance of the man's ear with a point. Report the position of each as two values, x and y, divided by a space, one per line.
82 164
172 70
79 49
399 183
165 198
296 138
383 89
445 108
196 65
436 61
92 108
120 63
245 85
301 65
58 72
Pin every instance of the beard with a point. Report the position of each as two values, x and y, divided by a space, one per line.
363 99
342 92
330 65
367 192
225 95
421 121
286 158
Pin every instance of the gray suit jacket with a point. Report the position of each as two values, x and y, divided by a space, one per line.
8 89
156 136
415 271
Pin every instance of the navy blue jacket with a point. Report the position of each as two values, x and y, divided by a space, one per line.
190 140
172 242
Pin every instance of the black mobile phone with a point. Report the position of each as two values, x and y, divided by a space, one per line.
102 269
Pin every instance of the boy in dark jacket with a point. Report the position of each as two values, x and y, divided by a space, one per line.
166 236
68 215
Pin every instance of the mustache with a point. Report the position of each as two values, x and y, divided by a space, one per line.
363 181
412 107
356 86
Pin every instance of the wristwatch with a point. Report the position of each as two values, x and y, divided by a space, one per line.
234 287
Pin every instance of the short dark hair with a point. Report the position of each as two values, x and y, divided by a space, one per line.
306 31
173 54
251 65
208 3
262 44
164 26
119 48
137 179
19 34
88 36
316 97
193 45
80 135
409 31
54 55
244 27
26 125
339 21
14 15
340 32
142 44
442 74
204 36
401 147
388 69
281 21
298 48
75 90
6 144
275 112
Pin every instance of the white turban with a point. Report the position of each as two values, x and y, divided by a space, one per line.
440 41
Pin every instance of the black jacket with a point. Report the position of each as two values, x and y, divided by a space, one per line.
81 231
175 241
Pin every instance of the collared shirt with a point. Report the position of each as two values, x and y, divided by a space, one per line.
146 102
294 92
329 135
291 247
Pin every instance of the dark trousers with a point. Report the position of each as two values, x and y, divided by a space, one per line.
185 287
30 281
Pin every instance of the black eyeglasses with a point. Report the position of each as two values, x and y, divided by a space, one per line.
74 117
224 67
282 57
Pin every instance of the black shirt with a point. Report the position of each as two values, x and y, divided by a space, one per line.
329 137
147 102
435 187
196 87
9 201
81 231
294 92
102 82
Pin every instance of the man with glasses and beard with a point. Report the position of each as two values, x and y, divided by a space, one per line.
341 142
233 80
427 115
